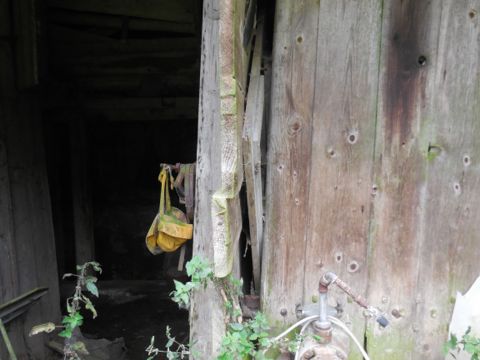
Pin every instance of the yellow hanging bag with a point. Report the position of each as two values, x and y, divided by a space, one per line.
170 228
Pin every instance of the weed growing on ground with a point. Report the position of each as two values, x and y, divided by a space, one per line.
242 340
85 283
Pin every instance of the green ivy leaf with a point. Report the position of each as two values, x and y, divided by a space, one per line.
236 327
92 288
67 333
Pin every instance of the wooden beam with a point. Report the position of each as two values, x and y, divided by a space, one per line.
136 85
142 103
175 11
252 156
32 218
85 19
65 41
207 323
128 115
134 109
8 257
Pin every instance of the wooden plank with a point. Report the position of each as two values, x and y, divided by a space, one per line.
175 11
139 115
139 103
289 153
449 248
81 193
252 156
8 256
139 85
68 42
85 19
140 66
397 245
33 228
226 211
207 324
342 137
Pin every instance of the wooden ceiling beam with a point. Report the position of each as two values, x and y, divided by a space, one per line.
68 42
139 85
166 10
133 109
86 19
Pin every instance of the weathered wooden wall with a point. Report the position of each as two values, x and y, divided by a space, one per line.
27 247
217 224
373 165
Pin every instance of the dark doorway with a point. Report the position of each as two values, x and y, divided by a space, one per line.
121 98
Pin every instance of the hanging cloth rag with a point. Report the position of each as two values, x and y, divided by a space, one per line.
169 229
185 187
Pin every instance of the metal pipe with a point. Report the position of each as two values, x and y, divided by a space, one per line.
324 323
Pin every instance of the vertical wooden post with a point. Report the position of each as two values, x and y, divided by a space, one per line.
8 256
81 193
207 324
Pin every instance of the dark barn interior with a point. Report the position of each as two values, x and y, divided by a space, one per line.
113 87
122 88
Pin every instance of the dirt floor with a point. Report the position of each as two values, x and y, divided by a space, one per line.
136 311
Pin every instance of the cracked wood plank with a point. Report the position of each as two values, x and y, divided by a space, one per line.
252 156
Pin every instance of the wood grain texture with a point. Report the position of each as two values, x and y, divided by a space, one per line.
226 211
343 134
252 157
289 152
207 324
449 244
393 183
410 31
32 219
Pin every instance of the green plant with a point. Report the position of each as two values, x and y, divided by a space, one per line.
200 274
469 343
243 339
74 319
173 349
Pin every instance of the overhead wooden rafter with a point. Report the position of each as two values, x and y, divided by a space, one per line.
136 109
88 19
166 10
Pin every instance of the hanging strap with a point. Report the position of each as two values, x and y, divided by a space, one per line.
164 192
190 190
